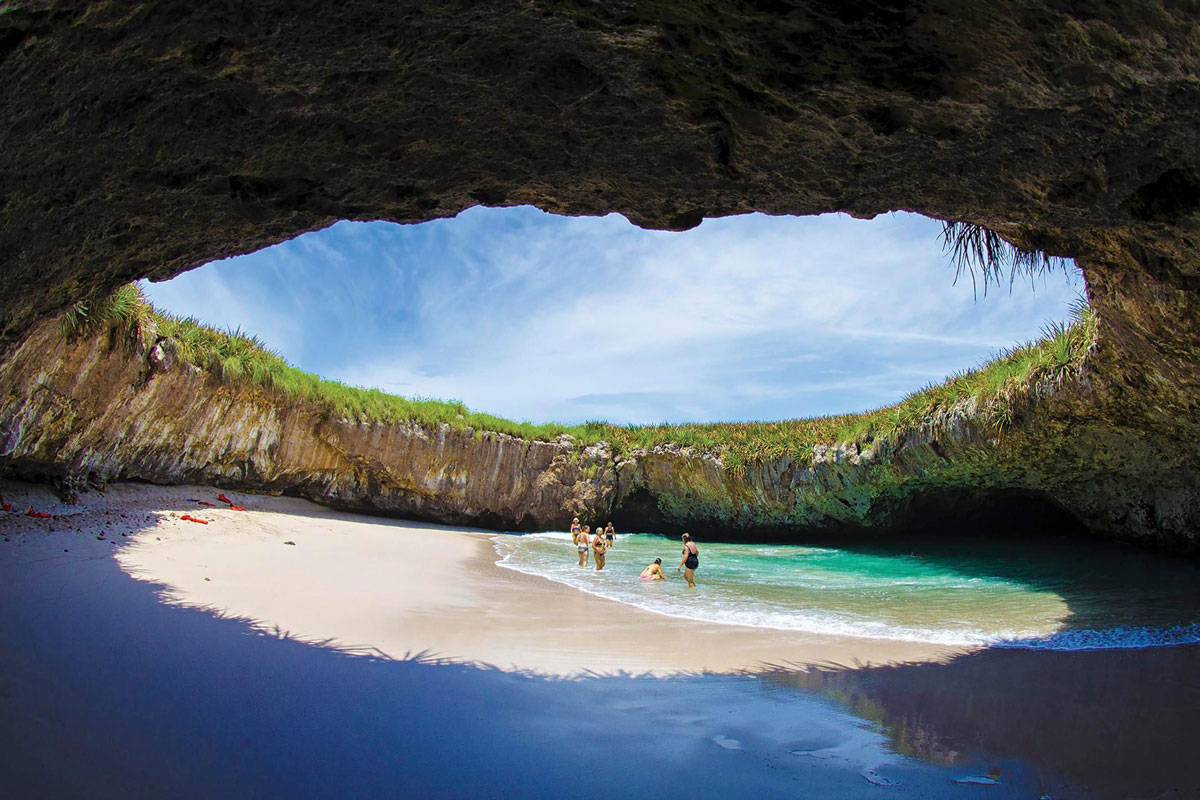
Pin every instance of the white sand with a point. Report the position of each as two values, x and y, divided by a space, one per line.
373 585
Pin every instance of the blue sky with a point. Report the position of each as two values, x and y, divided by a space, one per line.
533 316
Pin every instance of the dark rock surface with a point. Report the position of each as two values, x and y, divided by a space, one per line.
147 138
142 139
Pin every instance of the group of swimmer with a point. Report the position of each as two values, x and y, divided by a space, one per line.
604 540
600 544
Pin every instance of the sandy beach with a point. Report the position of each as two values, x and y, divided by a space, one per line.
406 589
143 655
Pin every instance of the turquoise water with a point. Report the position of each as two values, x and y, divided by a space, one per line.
1048 596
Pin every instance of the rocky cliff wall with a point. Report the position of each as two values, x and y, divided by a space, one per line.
141 139
89 412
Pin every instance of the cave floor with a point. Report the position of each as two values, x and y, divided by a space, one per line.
111 690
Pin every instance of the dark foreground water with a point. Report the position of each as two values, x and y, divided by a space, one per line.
107 692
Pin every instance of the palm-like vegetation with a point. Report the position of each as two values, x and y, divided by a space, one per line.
981 252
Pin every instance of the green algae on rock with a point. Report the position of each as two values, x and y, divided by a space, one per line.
110 395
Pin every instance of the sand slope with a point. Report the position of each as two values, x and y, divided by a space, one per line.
402 589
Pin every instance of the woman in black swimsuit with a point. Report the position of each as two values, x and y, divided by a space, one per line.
690 560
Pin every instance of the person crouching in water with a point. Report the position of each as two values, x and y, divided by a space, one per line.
690 560
599 548
654 572
581 544
610 535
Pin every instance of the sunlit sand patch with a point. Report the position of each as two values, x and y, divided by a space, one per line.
403 590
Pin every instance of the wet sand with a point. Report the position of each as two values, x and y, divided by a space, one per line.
397 588
112 686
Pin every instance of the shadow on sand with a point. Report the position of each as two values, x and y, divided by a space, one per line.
107 691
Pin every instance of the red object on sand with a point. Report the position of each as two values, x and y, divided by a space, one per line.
190 518
236 508
6 506
203 503
33 513
224 499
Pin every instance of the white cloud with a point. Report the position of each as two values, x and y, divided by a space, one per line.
531 316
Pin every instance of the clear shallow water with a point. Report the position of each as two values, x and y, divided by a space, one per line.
1059 596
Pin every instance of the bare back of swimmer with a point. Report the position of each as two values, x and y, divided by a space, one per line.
581 545
654 572
690 560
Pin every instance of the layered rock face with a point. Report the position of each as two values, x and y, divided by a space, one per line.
89 412
144 139
86 414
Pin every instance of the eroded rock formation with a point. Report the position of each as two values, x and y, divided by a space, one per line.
89 411
147 138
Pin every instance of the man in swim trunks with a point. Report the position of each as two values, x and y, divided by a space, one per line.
690 560
654 572
599 548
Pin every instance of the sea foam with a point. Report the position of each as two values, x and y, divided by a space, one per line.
832 592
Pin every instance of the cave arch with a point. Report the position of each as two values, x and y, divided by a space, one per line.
143 139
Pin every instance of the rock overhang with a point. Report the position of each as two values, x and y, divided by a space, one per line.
153 137
144 139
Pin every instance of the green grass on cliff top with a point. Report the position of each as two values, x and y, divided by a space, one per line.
234 357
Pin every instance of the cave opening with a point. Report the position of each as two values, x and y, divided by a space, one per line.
147 139
753 343
534 316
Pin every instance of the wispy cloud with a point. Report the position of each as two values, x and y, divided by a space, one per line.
538 317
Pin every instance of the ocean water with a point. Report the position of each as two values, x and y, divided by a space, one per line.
1041 595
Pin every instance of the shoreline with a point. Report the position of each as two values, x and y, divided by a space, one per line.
204 700
403 589
957 647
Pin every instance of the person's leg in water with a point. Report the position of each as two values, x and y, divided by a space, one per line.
599 561
689 573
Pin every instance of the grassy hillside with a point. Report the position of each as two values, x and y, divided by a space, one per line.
236 358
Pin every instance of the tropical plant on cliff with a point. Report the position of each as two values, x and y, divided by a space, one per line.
125 312
993 393
979 251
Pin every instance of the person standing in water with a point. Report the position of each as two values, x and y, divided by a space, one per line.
654 572
690 560
610 535
581 544
599 548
